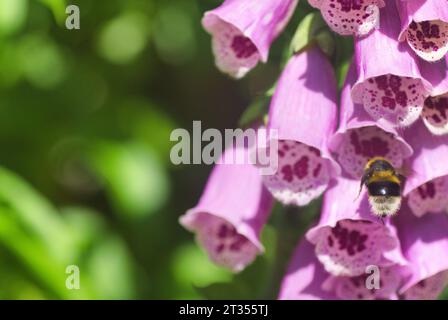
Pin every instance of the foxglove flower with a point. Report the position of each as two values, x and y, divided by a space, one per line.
425 245
305 276
350 17
424 25
231 213
426 186
355 288
303 113
435 109
389 84
243 31
348 238
306 279
359 138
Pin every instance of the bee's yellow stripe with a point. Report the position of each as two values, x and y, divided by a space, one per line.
384 175
369 163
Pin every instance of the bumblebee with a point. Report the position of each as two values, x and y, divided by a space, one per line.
384 185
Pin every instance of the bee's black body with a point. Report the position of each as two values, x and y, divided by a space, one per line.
384 188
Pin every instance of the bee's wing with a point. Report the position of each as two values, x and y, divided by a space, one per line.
404 172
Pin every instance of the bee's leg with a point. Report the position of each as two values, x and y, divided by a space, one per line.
359 193
363 181
382 218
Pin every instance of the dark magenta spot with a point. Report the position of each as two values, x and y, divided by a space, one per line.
287 173
369 147
243 47
428 190
351 241
317 170
220 248
301 168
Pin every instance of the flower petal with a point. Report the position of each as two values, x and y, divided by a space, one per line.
397 99
429 197
315 3
425 184
303 112
234 53
359 138
435 109
230 214
394 89
305 276
348 237
243 31
435 114
360 145
425 27
427 289
350 246
424 243
302 175
429 39
355 288
351 17
222 242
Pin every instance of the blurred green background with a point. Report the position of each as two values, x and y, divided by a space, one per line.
85 176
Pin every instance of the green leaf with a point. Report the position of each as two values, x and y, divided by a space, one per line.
135 180
111 269
124 38
106 266
37 215
307 33
444 295
341 73
271 90
192 269
12 15
225 291
47 67
170 38
33 254
325 40
148 123
86 227
256 110
57 7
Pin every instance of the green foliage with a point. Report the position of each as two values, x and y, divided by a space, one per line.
309 30
85 119
57 7
124 38
135 181
12 16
